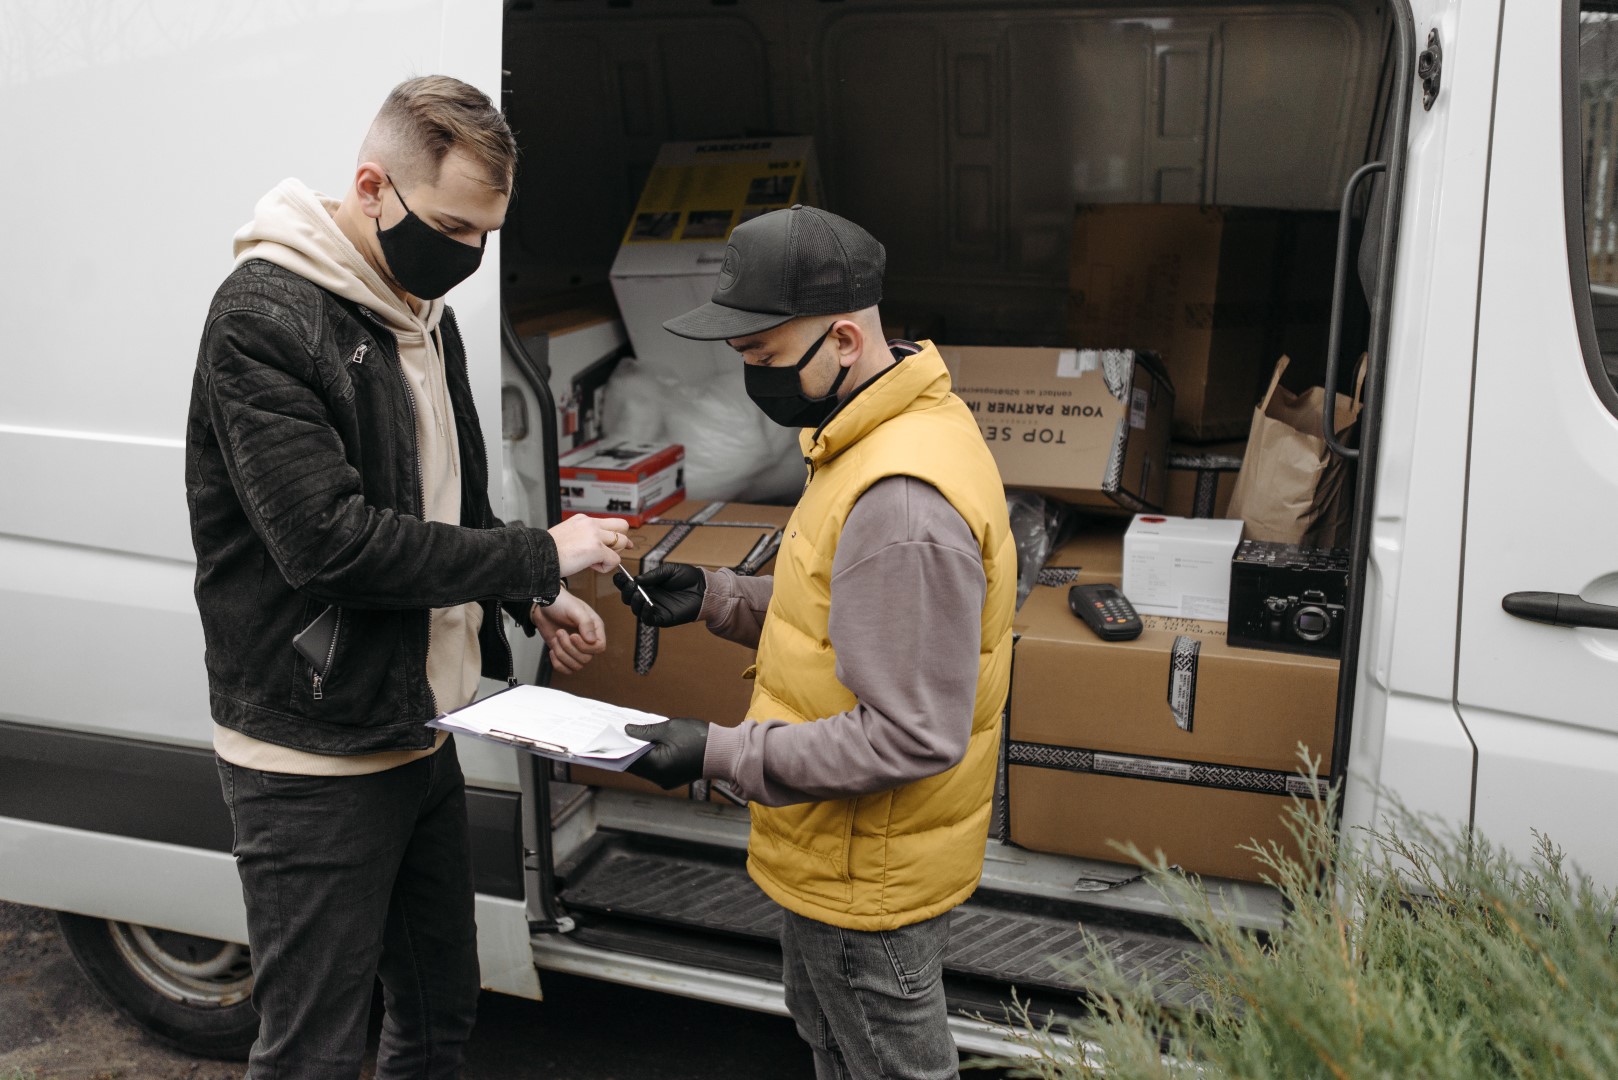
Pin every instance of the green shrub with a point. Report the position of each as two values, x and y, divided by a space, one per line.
1422 953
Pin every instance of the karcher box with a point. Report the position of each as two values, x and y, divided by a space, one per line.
675 243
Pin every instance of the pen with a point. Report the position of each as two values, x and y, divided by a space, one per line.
625 574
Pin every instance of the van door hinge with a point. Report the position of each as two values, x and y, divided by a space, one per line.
1429 69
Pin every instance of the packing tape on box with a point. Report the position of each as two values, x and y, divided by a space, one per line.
1195 773
1183 680
646 636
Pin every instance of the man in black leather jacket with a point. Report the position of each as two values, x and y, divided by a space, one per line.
350 579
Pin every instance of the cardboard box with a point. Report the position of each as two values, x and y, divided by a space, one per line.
1175 740
620 478
675 243
1200 830
1213 290
684 670
1090 428
1180 566
1094 555
1201 479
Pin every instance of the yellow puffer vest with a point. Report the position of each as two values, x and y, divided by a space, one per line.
882 861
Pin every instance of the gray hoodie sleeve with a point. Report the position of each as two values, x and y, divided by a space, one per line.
907 598
733 606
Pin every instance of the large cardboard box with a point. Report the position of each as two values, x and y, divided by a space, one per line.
683 670
1201 478
1093 555
1213 290
675 243
1174 741
1087 427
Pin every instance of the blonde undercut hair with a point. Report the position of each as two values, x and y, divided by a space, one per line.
424 118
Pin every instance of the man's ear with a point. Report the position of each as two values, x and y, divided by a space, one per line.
849 341
369 180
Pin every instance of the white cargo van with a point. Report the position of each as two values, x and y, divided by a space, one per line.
962 133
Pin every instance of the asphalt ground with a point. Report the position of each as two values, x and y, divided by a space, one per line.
54 1026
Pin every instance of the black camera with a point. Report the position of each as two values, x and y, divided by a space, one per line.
1288 598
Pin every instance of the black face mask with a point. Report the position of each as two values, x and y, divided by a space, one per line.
426 263
778 392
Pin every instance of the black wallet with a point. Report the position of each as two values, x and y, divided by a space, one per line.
314 641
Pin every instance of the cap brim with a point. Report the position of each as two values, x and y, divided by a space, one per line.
716 322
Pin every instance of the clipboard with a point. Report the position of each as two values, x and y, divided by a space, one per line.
533 744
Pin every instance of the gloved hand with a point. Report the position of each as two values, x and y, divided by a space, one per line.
675 590
676 754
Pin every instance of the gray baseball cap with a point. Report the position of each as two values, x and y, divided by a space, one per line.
783 264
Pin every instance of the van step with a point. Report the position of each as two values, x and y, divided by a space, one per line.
995 938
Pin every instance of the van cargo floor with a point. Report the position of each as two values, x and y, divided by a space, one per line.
995 938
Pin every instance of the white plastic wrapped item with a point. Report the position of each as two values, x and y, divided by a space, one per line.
732 450
635 395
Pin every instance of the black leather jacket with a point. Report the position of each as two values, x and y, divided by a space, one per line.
304 482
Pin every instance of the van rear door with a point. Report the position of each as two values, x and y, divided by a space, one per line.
1542 488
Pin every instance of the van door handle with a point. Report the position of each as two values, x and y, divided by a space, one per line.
1334 347
1560 609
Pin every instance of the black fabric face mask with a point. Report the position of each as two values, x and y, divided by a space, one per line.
426 263
778 392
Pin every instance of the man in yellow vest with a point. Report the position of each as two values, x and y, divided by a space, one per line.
884 647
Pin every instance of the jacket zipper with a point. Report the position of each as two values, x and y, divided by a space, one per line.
483 444
320 679
421 505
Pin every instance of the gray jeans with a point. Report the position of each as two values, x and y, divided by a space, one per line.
870 1003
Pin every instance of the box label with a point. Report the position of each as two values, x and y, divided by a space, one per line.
1075 363
1183 680
1139 399
1150 768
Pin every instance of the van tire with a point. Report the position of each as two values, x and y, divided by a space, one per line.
187 992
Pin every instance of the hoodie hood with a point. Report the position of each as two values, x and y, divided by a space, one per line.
293 228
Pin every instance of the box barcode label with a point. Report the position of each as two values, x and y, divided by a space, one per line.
1139 399
1132 766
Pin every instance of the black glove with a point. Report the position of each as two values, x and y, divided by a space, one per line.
676 754
675 591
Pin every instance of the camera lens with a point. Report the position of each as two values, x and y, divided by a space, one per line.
1311 623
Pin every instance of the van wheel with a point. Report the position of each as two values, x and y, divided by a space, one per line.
191 993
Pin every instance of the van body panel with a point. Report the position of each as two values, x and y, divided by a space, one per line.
1407 734
219 102
187 889
1542 489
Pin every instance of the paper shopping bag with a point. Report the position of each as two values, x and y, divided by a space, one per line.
1292 488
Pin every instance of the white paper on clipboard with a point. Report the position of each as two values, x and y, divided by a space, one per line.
553 724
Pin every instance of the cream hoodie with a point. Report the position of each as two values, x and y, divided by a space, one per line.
293 228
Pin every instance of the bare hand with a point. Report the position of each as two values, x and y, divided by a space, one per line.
573 631
583 541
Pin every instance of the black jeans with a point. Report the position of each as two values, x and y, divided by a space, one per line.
347 878
870 1003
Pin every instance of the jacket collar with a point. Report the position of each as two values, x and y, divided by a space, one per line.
915 381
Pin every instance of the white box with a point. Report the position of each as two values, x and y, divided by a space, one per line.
623 479
675 243
1180 566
